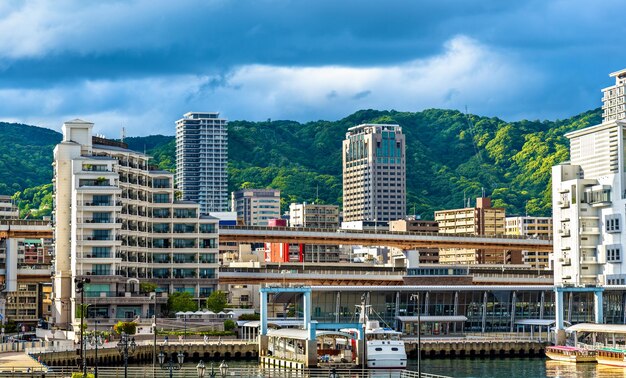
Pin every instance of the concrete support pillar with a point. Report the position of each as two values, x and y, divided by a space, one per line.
484 317
311 353
558 299
306 308
513 303
598 310
264 310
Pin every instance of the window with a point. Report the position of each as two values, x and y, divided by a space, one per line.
612 223
161 198
101 252
614 253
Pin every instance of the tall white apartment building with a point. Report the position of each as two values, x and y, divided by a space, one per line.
202 159
117 223
614 98
534 227
255 207
374 173
588 199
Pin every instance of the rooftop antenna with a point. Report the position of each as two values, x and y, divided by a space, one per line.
123 134
483 191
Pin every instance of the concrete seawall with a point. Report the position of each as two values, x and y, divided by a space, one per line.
475 348
237 349
109 355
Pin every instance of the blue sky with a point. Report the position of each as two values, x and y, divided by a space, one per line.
142 64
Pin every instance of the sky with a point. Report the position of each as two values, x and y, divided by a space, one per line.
142 64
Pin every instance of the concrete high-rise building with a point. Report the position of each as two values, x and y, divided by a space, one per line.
479 220
588 201
534 227
202 159
374 173
588 208
118 224
614 98
255 207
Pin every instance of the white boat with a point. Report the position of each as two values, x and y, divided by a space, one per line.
385 349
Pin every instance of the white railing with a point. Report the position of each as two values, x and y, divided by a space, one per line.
251 372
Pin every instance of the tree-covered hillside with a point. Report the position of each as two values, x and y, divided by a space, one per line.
450 156
25 156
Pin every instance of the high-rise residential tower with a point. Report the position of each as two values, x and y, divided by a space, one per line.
201 160
118 224
374 173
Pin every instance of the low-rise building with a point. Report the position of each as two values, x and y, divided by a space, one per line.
534 227
255 207
426 255
481 219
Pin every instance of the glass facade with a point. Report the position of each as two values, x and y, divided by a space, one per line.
492 309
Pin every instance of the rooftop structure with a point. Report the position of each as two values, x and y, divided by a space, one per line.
614 98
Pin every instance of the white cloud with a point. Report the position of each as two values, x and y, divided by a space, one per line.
465 73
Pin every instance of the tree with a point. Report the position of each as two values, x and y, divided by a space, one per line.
128 328
216 301
229 325
181 301
148 287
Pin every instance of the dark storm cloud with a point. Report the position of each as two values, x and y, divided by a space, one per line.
154 60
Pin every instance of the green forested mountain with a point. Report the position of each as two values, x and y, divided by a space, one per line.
450 156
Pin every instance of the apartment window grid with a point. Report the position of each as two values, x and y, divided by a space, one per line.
614 253
612 223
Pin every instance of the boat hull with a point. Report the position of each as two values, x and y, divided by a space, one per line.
386 363
610 362
570 358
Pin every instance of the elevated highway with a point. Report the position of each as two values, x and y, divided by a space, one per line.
403 240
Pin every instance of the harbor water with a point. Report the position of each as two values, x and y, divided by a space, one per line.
536 367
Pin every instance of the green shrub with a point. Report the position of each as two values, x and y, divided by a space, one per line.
80 375
127 327
229 325
249 317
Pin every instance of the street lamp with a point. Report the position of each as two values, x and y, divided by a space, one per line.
96 341
80 288
126 346
223 368
170 364
201 369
